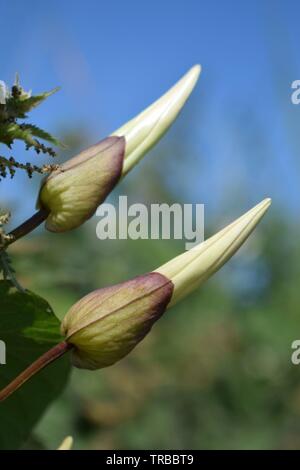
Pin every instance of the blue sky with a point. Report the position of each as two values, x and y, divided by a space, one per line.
113 58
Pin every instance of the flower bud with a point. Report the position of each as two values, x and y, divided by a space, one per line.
107 324
143 131
66 444
72 193
192 268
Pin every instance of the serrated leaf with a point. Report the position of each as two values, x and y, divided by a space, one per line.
29 328
11 131
7 270
27 133
19 107
5 136
41 134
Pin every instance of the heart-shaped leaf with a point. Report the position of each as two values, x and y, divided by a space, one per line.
28 328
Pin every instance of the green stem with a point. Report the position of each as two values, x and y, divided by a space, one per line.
54 353
28 225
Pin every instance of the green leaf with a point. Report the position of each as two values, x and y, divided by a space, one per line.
18 107
26 132
6 135
7 270
10 131
28 328
41 134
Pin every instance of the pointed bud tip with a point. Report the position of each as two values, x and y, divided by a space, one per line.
194 72
257 212
147 128
191 76
192 268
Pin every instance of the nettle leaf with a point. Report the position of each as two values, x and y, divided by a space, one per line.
27 132
18 107
7 270
28 328
10 131
6 136
41 134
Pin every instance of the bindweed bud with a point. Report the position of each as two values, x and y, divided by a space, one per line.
192 268
143 131
66 444
72 194
107 324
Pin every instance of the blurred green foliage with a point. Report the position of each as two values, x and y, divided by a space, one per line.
215 372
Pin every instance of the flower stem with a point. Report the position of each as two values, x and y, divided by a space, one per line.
28 226
54 353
